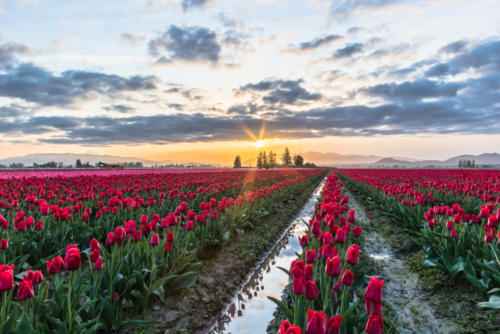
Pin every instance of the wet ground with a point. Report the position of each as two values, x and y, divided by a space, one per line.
250 311
401 289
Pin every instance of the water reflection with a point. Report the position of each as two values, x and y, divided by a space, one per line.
250 311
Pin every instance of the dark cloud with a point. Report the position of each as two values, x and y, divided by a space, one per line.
35 84
190 44
355 30
484 57
413 90
316 43
9 52
349 50
176 106
244 109
454 47
188 4
12 110
437 70
390 118
122 108
282 91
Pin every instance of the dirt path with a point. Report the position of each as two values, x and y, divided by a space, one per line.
401 288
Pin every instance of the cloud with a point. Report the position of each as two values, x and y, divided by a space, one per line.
454 47
437 70
130 38
189 44
282 91
342 8
9 52
35 84
484 57
316 43
121 108
188 4
413 90
407 117
349 50
390 51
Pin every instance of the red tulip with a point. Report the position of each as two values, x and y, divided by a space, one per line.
356 231
34 276
373 293
303 241
352 254
311 256
332 326
94 244
4 244
340 236
351 216
308 272
25 290
298 285
110 239
310 290
314 322
94 255
333 266
6 277
155 239
347 277
98 264
286 328
375 324
72 260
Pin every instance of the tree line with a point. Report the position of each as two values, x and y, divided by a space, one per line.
270 160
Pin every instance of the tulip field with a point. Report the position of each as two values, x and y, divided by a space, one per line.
452 215
324 279
91 251
85 252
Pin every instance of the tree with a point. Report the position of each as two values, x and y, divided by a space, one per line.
298 160
271 159
259 160
265 163
286 158
237 162
78 163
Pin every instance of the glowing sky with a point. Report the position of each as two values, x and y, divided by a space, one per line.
199 79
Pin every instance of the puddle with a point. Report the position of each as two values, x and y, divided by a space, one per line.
250 311
401 287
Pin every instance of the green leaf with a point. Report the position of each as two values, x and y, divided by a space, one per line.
493 303
183 281
283 307
24 325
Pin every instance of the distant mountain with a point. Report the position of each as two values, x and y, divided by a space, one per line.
70 159
492 159
331 158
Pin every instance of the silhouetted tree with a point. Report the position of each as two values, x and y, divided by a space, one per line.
259 160
286 158
78 163
298 160
237 162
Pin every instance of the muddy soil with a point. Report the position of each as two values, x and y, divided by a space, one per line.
402 291
194 310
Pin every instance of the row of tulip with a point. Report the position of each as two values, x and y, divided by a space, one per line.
139 248
457 237
328 273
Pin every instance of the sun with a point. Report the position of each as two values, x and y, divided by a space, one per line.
259 143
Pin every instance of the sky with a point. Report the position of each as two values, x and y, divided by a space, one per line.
208 79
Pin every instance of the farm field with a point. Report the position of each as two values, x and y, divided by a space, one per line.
136 250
